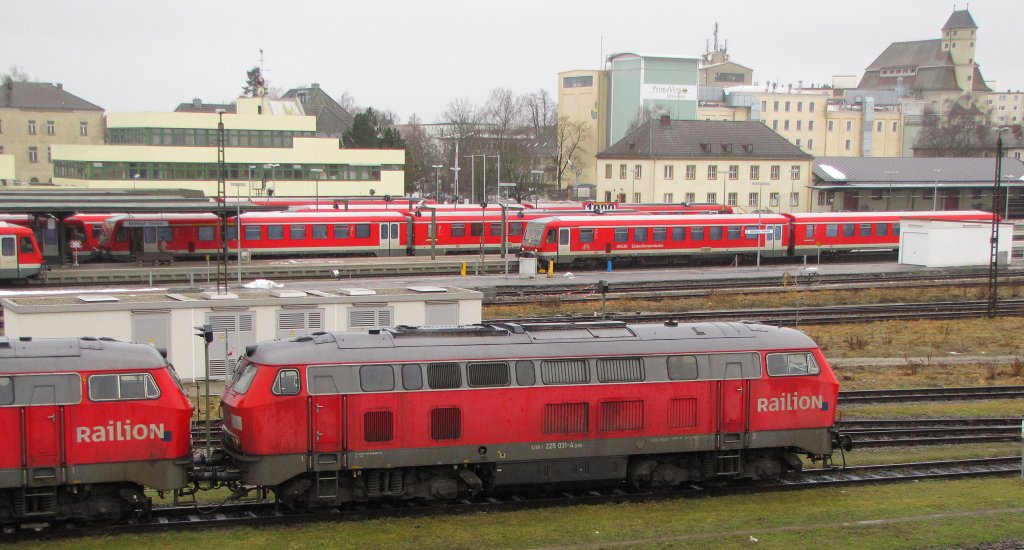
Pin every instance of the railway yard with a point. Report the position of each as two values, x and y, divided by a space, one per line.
945 422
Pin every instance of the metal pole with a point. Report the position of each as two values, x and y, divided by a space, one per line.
993 263
222 262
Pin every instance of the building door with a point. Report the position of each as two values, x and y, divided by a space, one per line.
232 333
850 201
152 329
299 322
950 199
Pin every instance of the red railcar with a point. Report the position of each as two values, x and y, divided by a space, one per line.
371 233
443 412
20 255
89 228
88 423
135 236
567 239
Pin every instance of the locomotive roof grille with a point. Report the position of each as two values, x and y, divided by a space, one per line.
468 330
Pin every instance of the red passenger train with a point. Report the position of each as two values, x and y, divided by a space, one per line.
89 423
20 255
447 412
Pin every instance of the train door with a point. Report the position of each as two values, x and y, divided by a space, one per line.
325 408
564 252
390 240
149 240
733 390
9 257
773 240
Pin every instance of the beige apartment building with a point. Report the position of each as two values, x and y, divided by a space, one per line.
37 116
270 145
741 164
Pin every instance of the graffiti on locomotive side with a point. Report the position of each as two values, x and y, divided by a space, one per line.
557 446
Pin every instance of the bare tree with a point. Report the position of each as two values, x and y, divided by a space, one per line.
16 73
645 113
569 151
421 153
503 112
541 112
961 132
347 101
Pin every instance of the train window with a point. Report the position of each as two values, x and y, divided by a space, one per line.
617 416
566 418
164 233
621 234
640 234
244 378
565 371
678 233
341 231
865 230
792 364
525 373
458 230
495 229
394 230
377 378
484 375
27 247
378 426
749 232
515 228
832 230
881 229
810 232
444 376
120 387
620 369
476 229
122 235
715 233
896 229
252 232
362 230
412 377
7 247
549 237
733 233
206 233
682 367
6 390
445 423
697 233
275 232
586 235
320 231
232 233
297 232
286 383
660 234
97 229
849 229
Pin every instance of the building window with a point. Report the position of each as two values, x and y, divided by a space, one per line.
799 106
775 125
849 125
732 199
787 106
776 170
31 127
49 154
712 171
637 198
773 199
810 107
794 199
669 169
752 199
622 171
608 171
775 106
33 155
755 172
799 125
1 126
831 126
847 145
691 171
668 198
810 144
713 197
794 172
734 171
638 171
51 128
764 106
578 81
894 126
690 197
878 127
785 125
810 124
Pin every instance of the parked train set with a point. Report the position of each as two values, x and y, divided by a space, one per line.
414 413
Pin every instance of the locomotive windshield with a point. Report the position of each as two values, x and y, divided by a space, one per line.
534 232
243 377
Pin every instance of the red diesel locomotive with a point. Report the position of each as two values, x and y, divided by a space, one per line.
89 423
446 412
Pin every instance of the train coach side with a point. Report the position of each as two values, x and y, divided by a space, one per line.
20 255
350 416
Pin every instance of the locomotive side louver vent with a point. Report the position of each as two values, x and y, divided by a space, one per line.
444 376
482 375
566 418
378 426
445 423
567 371
627 369
617 416
682 413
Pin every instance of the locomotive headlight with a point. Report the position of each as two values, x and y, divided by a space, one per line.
236 421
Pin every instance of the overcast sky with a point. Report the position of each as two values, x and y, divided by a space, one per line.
414 56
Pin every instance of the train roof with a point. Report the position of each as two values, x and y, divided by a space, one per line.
10 228
322 216
654 219
512 340
164 216
27 355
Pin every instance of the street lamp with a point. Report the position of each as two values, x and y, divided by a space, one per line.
760 231
238 226
537 174
135 179
455 188
437 180
316 181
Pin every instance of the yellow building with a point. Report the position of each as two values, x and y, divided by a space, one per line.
583 98
741 164
270 145
6 169
35 117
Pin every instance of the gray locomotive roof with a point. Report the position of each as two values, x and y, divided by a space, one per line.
69 354
478 342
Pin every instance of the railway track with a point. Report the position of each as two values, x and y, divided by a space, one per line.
891 433
263 513
851 397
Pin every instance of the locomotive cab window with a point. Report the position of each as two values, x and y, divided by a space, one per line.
792 364
122 387
550 236
286 383
243 378
377 378
26 245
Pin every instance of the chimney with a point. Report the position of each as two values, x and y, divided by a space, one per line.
314 85
60 86
197 103
666 121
